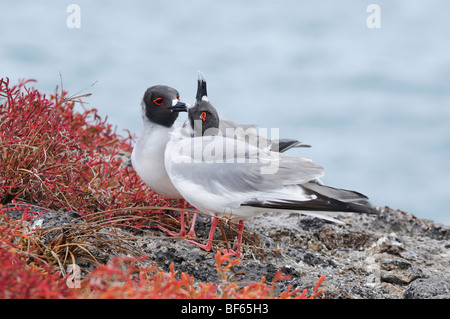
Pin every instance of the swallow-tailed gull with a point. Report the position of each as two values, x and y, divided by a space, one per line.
229 177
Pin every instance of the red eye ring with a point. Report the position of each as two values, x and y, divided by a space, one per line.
178 96
203 116
158 101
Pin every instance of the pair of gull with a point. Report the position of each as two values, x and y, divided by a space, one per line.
227 175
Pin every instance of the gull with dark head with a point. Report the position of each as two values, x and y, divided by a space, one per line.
160 107
203 119
231 178
202 112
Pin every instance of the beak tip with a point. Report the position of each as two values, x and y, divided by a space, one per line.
201 88
201 76
179 107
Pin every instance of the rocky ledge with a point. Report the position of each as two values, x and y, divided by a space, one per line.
393 255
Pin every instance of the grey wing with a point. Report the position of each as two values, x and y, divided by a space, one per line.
244 132
252 170
249 134
224 124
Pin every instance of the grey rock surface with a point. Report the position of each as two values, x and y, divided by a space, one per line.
393 255
386 256
436 287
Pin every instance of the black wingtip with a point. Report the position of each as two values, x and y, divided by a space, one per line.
285 144
320 203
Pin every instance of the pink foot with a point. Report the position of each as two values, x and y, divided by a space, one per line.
182 204
182 233
191 232
231 252
208 246
236 253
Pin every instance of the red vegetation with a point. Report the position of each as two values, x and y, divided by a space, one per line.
111 281
58 158
55 157
26 273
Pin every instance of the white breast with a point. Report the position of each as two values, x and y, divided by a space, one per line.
148 160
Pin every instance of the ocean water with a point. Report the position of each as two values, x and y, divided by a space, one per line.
373 102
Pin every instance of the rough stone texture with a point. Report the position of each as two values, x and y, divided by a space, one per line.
55 225
436 287
393 255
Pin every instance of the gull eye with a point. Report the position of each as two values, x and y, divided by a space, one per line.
158 101
178 96
203 116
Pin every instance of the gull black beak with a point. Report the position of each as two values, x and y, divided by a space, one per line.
179 107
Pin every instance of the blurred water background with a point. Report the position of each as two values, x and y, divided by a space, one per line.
374 103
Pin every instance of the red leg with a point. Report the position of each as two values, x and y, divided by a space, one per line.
182 233
191 232
208 245
236 253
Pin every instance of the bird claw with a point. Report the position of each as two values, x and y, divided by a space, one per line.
182 233
191 234
231 252
206 247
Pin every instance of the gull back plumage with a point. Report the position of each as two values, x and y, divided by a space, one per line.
228 176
